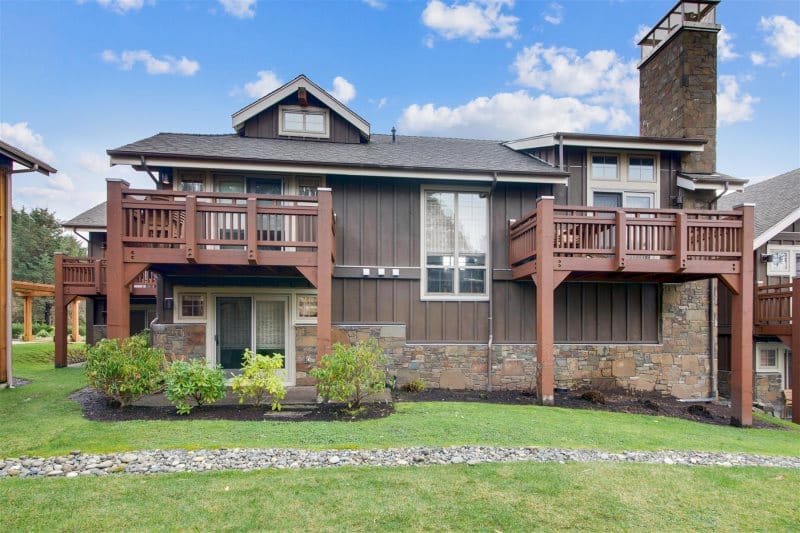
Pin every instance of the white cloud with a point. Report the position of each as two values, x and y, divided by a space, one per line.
510 116
93 162
343 90
382 102
600 75
428 41
375 4
733 107
641 31
554 14
267 82
153 65
473 20
757 58
784 35
121 6
725 45
23 137
241 9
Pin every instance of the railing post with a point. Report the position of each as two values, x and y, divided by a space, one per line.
742 328
252 231
325 246
621 245
98 275
796 346
190 228
117 291
545 286
60 336
681 241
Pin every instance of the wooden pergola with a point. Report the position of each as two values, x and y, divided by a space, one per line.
28 291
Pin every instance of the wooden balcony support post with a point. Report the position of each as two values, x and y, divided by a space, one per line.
27 318
742 329
190 230
117 291
796 347
544 277
252 231
621 244
76 315
98 279
681 241
325 244
60 336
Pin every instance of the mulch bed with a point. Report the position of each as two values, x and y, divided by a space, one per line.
96 407
618 401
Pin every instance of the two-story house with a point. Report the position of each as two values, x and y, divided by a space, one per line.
558 260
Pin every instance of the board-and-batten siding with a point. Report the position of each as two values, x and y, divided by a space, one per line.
265 124
378 224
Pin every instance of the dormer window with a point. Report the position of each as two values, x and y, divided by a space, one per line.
296 121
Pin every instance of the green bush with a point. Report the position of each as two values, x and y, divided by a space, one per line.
259 379
193 381
76 353
124 370
415 385
42 330
16 330
351 373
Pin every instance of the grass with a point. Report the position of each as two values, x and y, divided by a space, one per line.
500 497
38 419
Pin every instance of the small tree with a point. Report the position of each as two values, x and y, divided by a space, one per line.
351 373
124 370
259 379
195 381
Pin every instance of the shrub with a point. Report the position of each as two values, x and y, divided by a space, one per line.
17 330
195 381
76 353
124 370
43 334
259 379
351 373
415 385
42 330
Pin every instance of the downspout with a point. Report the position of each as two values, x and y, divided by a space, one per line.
81 236
561 152
725 190
713 348
149 172
490 269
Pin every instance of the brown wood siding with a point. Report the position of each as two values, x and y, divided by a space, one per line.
378 224
266 124
668 178
97 244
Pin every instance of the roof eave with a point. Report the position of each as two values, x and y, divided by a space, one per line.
25 159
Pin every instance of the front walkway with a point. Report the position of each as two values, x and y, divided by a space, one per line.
162 461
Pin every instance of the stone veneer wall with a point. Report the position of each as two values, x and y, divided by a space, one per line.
180 341
99 332
679 365
767 391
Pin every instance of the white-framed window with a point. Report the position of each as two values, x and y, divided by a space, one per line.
455 244
636 200
306 308
605 167
785 260
304 121
770 356
641 168
191 305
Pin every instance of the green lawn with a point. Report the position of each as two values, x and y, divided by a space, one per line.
511 497
39 419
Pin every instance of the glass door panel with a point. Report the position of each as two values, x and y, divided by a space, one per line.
234 330
270 326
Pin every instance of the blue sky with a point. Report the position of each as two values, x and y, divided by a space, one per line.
79 77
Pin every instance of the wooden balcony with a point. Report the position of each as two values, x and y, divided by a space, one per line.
645 244
773 309
87 277
167 227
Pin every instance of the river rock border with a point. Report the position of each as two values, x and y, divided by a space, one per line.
170 461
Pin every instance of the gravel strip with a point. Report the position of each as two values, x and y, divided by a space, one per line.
161 461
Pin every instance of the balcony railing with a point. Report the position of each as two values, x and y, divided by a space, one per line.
223 228
773 312
629 240
87 277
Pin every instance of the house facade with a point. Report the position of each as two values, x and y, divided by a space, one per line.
559 260
776 249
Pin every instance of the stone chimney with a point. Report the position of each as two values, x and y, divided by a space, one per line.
678 80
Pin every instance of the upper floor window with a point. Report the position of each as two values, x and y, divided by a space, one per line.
456 244
785 260
641 169
604 167
304 121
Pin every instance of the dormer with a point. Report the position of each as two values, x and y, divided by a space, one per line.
301 110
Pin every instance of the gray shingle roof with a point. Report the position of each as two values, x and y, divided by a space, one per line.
775 199
91 218
435 153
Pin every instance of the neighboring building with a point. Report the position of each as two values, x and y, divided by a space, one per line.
777 264
304 228
8 156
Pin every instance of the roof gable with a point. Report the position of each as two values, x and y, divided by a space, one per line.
25 159
279 94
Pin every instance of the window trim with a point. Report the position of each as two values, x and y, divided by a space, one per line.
326 116
455 296
792 262
623 184
779 354
628 158
590 160
179 317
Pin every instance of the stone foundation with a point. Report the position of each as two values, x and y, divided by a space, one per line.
180 341
99 332
767 387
